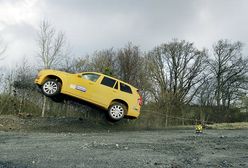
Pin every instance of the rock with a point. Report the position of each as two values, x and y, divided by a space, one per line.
156 164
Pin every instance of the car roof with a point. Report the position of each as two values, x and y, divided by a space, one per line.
112 78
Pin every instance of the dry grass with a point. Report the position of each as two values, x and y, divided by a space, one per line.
238 125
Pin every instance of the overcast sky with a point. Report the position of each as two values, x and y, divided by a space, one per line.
92 25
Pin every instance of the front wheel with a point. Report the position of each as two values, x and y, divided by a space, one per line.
51 87
116 111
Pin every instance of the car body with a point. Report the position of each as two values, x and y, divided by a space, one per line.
120 99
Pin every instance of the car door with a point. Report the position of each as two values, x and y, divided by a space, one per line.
106 91
85 86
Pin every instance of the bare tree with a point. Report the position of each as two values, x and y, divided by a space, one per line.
176 69
129 59
205 96
23 85
104 61
229 72
3 48
8 81
132 68
51 45
76 65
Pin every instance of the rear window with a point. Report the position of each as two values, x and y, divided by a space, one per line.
125 88
108 82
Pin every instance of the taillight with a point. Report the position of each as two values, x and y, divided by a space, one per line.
140 101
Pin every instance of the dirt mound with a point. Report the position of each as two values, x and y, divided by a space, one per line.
54 124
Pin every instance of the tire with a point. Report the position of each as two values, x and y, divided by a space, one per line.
51 87
116 111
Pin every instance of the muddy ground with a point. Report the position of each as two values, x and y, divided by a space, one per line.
91 147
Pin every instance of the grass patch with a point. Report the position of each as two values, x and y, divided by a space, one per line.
237 125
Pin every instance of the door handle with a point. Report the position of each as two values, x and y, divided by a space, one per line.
91 83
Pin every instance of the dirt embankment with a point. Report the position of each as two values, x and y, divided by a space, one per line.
69 124
53 124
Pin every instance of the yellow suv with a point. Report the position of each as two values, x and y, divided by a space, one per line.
118 98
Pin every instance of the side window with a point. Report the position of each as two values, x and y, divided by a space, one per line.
90 76
108 82
125 88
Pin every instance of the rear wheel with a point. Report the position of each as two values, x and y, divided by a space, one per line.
116 111
51 87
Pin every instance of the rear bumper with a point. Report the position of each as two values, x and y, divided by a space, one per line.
133 113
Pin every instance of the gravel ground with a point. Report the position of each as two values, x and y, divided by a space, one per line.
127 149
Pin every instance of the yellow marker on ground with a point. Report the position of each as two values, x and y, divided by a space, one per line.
198 128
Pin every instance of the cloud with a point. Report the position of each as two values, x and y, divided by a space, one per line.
94 25
15 12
